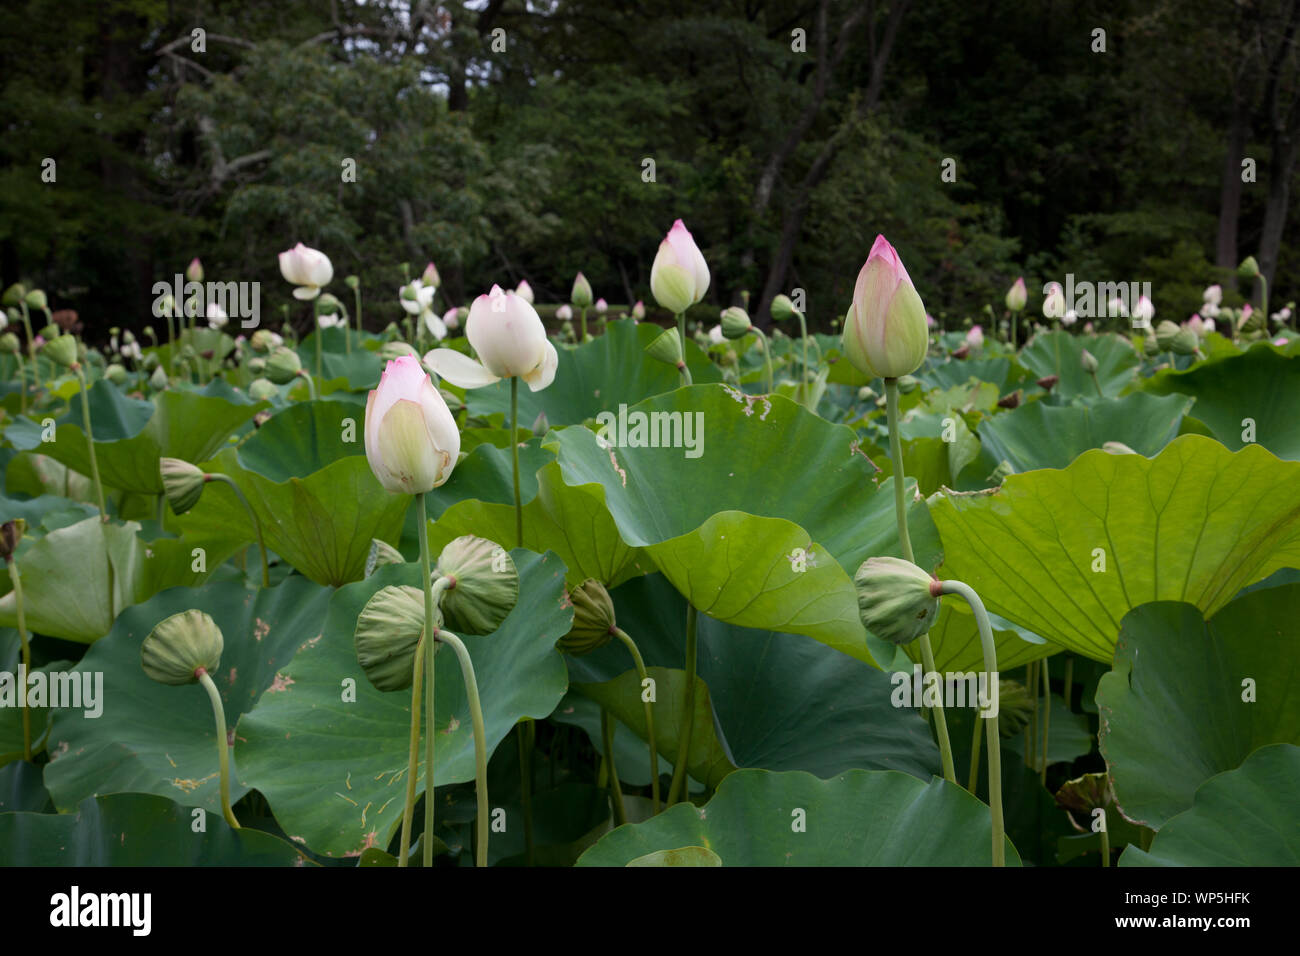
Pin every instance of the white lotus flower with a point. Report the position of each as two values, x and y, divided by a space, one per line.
308 269
510 340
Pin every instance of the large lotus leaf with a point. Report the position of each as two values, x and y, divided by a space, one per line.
135 829
1241 817
1188 698
1196 523
112 568
154 738
486 475
1261 385
11 717
744 529
860 818
1060 353
330 752
571 521
597 376
21 789
1038 435
131 434
927 456
304 438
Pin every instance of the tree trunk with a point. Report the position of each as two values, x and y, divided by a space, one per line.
1225 247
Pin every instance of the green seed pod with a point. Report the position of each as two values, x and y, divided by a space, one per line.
9 344
382 553
36 298
907 383
14 294
262 390
1150 347
894 599
261 341
388 634
1248 269
257 366
1166 331
62 349
283 366
485 584
151 362
593 619
666 348
158 380
1185 342
115 374
735 323
179 646
782 308
182 483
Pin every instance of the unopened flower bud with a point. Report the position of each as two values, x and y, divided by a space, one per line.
182 483
283 366
485 584
262 389
895 599
1089 362
388 634
782 308
735 323
593 619
180 646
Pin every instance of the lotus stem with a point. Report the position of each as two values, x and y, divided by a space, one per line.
257 524
615 788
480 741
679 787
90 441
905 540
1031 728
22 384
514 459
526 784
26 652
630 644
975 756
583 313
1105 841
1069 681
1047 718
429 628
993 740
1263 298
357 295
681 332
311 385
413 755
767 355
223 745
803 336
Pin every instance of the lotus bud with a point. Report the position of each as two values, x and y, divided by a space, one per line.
14 295
1070 317
1213 295
884 330
593 619
381 553
430 276
735 323
257 365
1165 333
263 340
283 366
782 308
194 271
36 300
1089 362
451 320
412 442
62 349
1250 320
581 294
1185 342
1249 268
638 310
907 383
975 337
525 291
116 374
180 647
262 390
679 276
352 282
1054 303
182 483
1017 296
866 393
1048 382
11 532
667 348
306 268
897 601
1144 311
484 584
388 634
601 306
1150 347
326 304
564 313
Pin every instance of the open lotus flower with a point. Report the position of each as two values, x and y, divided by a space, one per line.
510 341
412 442
308 269
216 316
416 297
679 276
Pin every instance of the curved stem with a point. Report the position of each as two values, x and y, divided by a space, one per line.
413 754
994 741
649 713
514 459
975 757
27 656
905 540
680 787
257 525
311 385
223 745
480 741
90 443
803 335
615 788
429 628
767 355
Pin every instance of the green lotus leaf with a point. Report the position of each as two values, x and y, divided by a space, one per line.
1060 353
682 856
859 818
1188 698
486 475
330 753
1237 818
1196 523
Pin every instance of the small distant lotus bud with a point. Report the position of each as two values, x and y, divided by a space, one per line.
352 282
1144 311
36 299
257 365
1213 295
382 553
1250 320
430 276
541 424
1249 268
62 349
638 310
679 276
9 344
782 308
283 366
975 337
1209 326
388 633
151 362
581 294
485 584
1117 448
713 337
593 619
1089 362
1011 401
115 374
1150 347
1001 472
907 383
262 390
11 532
735 323
1196 324
182 483
390 351
866 393
564 313
1070 317
181 646
1185 342
14 295
601 306
1165 333
194 271
524 291
1054 303
896 600
1017 295
667 348
451 319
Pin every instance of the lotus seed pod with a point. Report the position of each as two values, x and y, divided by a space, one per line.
1165 333
735 323
14 294
388 634
11 532
327 304
36 298
895 600
283 366
1014 707
182 483
115 374
352 282
485 584
257 366
158 380
866 393
9 343
907 383
62 349
180 646
151 362
667 348
262 340
782 308
593 619
1089 362
262 390
1185 342
382 553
